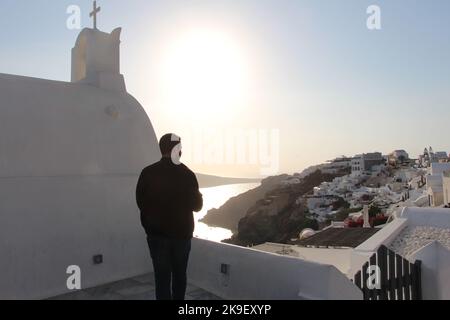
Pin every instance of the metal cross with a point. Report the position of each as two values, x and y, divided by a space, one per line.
94 14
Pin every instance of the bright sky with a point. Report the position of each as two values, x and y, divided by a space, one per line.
310 69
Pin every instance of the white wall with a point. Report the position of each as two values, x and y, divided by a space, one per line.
446 187
357 165
439 168
434 181
70 156
51 223
434 189
435 271
260 275
432 217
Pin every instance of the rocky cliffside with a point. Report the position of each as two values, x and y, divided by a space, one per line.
281 213
228 215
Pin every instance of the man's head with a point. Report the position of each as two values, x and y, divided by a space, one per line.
167 144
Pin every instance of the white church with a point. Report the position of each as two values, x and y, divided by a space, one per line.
70 154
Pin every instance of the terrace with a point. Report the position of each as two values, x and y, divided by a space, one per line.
228 272
136 288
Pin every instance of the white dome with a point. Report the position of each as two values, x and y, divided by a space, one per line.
52 128
306 233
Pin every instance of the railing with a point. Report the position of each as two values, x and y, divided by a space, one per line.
389 276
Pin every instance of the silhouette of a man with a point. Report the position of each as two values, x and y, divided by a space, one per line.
167 193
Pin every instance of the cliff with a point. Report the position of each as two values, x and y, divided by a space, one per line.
228 215
281 214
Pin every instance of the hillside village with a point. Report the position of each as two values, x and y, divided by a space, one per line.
336 193
344 211
384 183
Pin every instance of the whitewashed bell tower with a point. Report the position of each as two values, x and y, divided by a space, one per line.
96 58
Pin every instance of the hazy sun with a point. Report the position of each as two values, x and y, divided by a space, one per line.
204 75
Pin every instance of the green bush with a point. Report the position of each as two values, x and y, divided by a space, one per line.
342 214
373 211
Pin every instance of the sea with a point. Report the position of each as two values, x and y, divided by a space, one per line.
215 197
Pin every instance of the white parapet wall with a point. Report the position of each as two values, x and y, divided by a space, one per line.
251 274
435 271
431 217
41 236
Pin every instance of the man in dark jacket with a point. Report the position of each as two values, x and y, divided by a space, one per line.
167 193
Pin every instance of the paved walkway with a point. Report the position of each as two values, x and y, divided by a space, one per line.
137 288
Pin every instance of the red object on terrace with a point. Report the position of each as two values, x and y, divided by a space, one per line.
359 223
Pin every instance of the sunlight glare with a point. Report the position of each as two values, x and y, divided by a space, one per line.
204 75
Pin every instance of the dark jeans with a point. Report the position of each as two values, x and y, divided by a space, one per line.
170 259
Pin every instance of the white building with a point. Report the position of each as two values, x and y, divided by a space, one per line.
435 183
366 163
336 165
357 164
373 159
71 156
446 187
435 190
429 156
437 169
441 156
